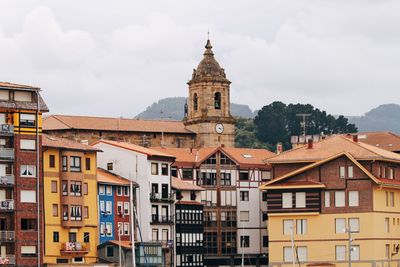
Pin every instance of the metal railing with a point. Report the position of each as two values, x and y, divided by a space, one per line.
7 129
7 180
73 247
7 260
7 153
161 219
7 236
162 197
6 204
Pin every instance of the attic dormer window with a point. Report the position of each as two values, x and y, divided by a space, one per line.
217 100
247 156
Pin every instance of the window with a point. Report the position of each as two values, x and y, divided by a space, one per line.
287 254
265 241
76 213
165 234
28 171
342 172
52 161
55 210
108 207
126 208
302 254
287 200
192 195
85 188
154 234
64 163
265 175
23 96
387 249
4 95
243 175
327 199
85 212
119 208
355 253
340 253
74 164
126 228
225 178
387 225
65 212
340 225
350 173
195 102
65 188
391 194
27 144
187 174
54 186
126 191
28 251
264 216
109 229
244 241
217 100
264 196
109 251
56 237
174 172
354 224
244 195
353 198
164 169
102 229
391 173
287 227
300 199
110 166
108 190
86 237
28 196
119 190
87 164
27 120
28 224
339 199
154 168
244 216
75 188
301 226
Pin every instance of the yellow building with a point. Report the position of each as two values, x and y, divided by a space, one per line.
70 202
331 199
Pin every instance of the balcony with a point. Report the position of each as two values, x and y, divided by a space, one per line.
73 248
6 129
157 197
7 205
7 236
161 219
7 179
6 153
7 260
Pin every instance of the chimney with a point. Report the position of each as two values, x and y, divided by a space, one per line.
309 143
279 148
355 138
222 145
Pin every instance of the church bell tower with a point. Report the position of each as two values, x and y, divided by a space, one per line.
207 112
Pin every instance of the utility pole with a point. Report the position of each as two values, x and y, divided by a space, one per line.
350 241
303 123
292 240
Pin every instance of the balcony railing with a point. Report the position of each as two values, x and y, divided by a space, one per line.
73 247
161 219
7 236
7 205
157 197
7 260
6 129
6 153
7 180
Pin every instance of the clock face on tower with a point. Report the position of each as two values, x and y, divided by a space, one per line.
219 128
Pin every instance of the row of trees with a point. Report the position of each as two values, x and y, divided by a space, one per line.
277 122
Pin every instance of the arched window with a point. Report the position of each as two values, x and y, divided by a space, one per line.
217 100
195 102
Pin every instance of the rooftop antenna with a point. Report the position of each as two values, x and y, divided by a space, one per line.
303 123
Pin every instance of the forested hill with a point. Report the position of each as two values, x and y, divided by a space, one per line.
173 108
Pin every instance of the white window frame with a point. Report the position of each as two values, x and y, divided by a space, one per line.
301 226
287 200
28 196
340 252
27 144
243 216
342 172
288 227
126 208
300 199
327 199
354 225
28 169
340 199
109 229
350 171
353 198
340 225
355 253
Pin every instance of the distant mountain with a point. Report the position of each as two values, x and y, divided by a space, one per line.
173 108
382 118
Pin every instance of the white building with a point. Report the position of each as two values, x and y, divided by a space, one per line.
150 169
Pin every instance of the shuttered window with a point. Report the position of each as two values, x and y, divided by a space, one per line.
353 198
287 200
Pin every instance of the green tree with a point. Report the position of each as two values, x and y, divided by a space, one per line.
245 134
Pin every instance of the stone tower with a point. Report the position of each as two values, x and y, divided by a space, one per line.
207 112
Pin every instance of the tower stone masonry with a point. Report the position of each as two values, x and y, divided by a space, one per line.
208 110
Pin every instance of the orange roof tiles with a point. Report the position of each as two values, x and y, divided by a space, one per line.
136 148
385 140
57 142
247 155
179 184
17 86
64 122
107 177
124 244
331 146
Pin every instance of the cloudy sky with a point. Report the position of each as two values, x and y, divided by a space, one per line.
114 58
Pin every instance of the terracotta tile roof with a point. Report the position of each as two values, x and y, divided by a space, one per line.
242 156
332 146
57 142
107 177
136 148
63 122
179 184
385 140
189 202
295 184
124 244
8 85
